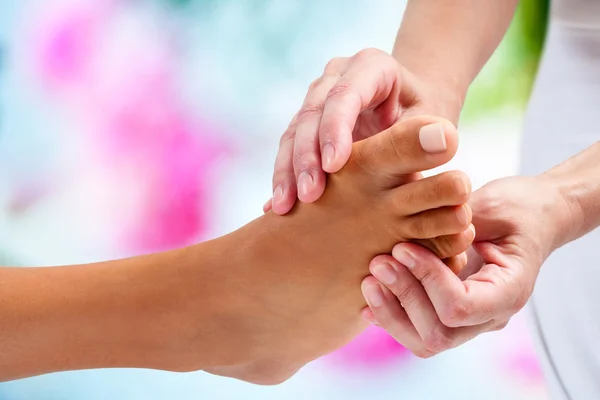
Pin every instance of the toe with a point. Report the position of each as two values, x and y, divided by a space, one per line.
450 245
410 146
451 188
438 222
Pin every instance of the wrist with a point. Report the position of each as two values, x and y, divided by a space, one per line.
567 210
443 96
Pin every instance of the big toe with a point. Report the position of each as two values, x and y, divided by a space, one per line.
410 146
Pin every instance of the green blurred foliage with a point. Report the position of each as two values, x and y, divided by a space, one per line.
508 78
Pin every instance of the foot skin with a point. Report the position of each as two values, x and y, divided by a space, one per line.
296 279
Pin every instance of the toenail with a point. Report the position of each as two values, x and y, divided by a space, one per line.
305 183
373 295
385 273
461 215
432 138
404 257
328 155
278 194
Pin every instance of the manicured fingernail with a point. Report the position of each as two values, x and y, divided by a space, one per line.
305 183
374 295
278 195
470 233
432 138
328 155
461 215
384 273
404 257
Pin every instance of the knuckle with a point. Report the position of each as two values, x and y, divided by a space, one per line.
416 228
458 184
315 84
438 340
305 160
443 247
289 134
368 53
407 294
334 66
342 88
310 111
454 314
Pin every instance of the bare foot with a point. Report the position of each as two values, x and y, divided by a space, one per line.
295 279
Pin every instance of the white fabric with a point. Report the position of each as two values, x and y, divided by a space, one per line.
564 118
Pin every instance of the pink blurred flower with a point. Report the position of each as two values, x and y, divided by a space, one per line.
373 348
124 93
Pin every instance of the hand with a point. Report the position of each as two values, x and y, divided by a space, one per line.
429 309
291 289
354 99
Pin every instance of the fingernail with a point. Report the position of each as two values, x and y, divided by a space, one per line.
404 257
470 233
461 215
384 273
373 295
328 155
432 138
305 183
278 195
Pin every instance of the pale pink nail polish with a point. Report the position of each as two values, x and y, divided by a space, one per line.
373 295
278 195
328 155
404 257
432 138
384 273
305 183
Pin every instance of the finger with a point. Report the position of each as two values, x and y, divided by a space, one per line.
456 263
388 313
438 222
370 79
445 247
454 304
309 175
416 144
268 206
435 336
500 288
474 263
450 188
413 298
368 316
284 181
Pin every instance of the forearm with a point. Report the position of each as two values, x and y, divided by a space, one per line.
578 180
448 42
128 313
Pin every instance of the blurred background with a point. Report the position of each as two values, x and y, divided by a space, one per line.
130 126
